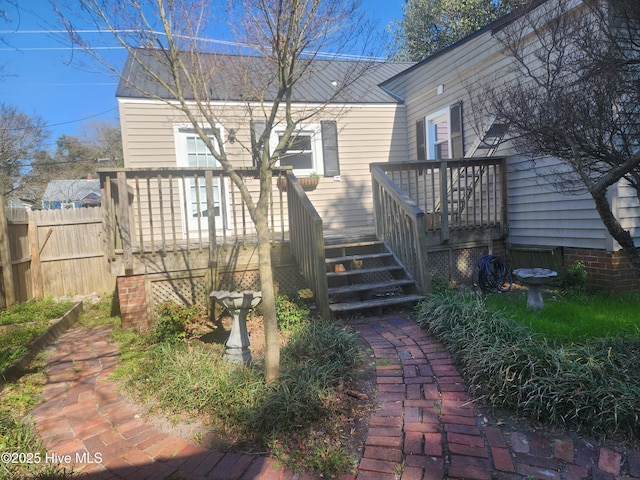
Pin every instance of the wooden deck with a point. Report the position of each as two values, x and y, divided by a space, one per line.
172 221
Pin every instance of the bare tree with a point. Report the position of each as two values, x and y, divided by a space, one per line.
21 136
287 34
575 95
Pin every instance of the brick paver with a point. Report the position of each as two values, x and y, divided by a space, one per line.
425 427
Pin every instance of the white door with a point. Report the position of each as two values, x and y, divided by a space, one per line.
196 154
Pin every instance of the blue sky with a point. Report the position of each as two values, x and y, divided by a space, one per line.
42 76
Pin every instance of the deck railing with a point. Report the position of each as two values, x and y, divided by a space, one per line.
421 204
459 194
400 223
164 210
307 242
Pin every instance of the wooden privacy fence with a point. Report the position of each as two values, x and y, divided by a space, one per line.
52 253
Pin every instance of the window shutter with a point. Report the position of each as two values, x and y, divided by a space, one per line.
257 129
421 143
457 139
330 148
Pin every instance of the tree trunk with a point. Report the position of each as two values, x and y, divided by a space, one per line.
269 318
622 236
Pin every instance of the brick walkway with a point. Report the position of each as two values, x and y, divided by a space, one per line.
425 427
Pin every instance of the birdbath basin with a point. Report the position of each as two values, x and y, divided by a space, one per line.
534 279
238 304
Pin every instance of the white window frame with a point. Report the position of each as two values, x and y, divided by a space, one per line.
181 133
430 122
315 132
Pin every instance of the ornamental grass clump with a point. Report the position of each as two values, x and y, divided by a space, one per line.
591 386
318 357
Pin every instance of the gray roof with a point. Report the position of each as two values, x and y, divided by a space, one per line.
71 190
243 77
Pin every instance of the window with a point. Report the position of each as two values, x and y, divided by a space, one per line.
437 127
304 153
443 134
299 155
193 152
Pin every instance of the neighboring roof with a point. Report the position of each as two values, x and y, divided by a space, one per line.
233 76
72 191
494 26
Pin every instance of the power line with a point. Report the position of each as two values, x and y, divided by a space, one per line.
228 43
84 118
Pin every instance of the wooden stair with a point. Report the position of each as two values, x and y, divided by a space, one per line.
364 275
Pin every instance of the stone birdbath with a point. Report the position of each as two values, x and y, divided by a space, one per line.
238 304
534 279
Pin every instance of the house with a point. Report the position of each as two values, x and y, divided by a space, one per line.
368 123
61 194
398 155
544 226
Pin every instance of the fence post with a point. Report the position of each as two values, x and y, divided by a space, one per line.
5 258
34 248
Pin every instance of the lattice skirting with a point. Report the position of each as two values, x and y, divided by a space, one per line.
184 291
192 290
455 265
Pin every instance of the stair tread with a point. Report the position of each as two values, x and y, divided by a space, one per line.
343 307
363 256
369 286
365 243
364 270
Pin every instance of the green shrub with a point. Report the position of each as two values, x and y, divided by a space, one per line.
573 278
440 284
174 319
591 386
291 311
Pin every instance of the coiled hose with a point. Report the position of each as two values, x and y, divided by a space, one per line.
490 274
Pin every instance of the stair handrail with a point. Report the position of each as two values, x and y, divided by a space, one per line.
400 223
307 242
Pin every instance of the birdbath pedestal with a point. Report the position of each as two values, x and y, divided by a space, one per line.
534 279
238 304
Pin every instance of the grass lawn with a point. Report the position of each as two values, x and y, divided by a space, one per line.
570 318
23 323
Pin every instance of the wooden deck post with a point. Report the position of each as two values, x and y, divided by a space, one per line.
422 256
125 222
444 203
211 217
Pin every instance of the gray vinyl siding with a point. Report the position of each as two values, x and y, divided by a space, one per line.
541 216
628 208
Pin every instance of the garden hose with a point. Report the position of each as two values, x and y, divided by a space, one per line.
490 273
